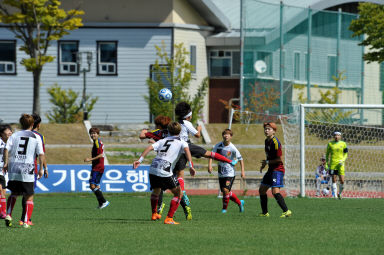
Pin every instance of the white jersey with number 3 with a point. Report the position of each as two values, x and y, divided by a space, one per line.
23 147
168 151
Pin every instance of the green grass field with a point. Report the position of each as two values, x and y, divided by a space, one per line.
70 224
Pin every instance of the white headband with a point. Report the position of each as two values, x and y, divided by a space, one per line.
188 115
336 133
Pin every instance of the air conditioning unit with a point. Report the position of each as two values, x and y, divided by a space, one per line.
7 67
107 68
68 68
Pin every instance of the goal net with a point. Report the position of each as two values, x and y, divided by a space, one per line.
307 133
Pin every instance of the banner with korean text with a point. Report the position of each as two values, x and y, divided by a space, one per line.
75 178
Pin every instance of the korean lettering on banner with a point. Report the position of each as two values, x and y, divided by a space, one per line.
75 178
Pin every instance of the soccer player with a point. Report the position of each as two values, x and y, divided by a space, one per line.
227 171
97 166
19 156
5 133
168 150
322 175
184 115
337 153
273 178
36 128
161 131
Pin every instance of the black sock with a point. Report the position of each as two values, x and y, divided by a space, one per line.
264 203
280 200
24 205
160 201
183 204
99 196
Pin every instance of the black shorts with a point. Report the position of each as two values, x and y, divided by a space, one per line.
334 172
196 152
226 182
2 181
22 188
163 182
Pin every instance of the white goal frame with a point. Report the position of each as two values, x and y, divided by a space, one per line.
302 131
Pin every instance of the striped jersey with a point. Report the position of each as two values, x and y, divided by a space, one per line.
23 146
273 150
97 149
230 152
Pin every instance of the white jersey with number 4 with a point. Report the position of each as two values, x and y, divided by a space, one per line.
230 152
23 147
168 151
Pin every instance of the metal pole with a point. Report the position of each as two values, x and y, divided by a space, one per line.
302 151
242 23
362 84
281 59
85 113
309 52
338 51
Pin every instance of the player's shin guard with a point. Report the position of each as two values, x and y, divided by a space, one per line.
154 201
181 182
225 201
11 204
220 157
99 196
174 205
264 203
28 210
234 198
334 189
280 200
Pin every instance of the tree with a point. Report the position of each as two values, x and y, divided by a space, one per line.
370 23
175 73
36 23
66 108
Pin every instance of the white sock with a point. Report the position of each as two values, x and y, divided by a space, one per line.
334 189
318 183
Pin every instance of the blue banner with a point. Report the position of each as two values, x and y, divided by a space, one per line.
75 178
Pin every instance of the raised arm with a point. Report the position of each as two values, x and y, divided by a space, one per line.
145 152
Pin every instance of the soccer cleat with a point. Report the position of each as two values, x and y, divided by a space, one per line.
234 162
185 198
286 214
8 221
170 221
160 210
30 223
188 213
25 225
156 216
21 223
339 196
104 205
241 206
264 214
223 211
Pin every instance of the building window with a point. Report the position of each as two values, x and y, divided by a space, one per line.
67 57
107 57
296 65
7 57
267 58
332 72
192 58
236 62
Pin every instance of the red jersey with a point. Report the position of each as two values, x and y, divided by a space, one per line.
273 151
157 134
97 149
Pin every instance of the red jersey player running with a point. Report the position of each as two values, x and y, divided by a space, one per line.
273 178
161 177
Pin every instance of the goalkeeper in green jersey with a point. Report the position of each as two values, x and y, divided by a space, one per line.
336 155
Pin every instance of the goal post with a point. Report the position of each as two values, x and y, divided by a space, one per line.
363 124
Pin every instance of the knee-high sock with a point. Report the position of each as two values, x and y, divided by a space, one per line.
99 196
10 204
28 210
280 200
225 201
334 189
220 157
181 182
3 203
173 207
234 198
264 203
160 200
341 187
24 206
154 200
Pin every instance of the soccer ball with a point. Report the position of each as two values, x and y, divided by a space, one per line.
325 192
165 95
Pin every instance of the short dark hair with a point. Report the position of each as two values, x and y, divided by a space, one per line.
36 120
4 127
227 131
182 109
26 121
94 130
174 128
162 121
